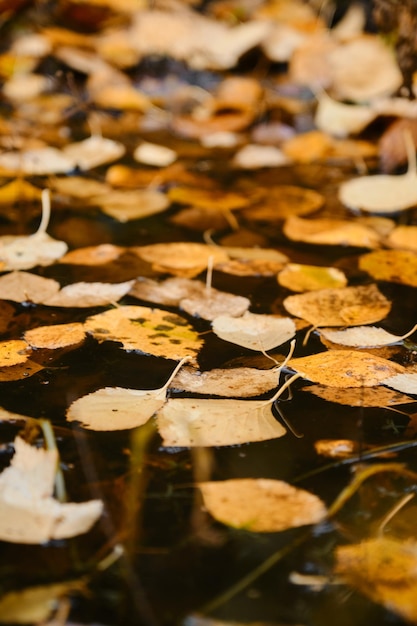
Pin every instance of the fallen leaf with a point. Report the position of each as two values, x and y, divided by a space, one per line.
345 368
29 513
152 331
340 119
301 278
116 408
26 287
132 204
57 336
397 266
241 382
366 396
154 154
93 255
308 147
21 371
79 187
404 382
261 505
36 162
188 422
182 259
88 294
19 190
351 306
219 199
94 151
254 331
383 570
363 336
282 201
254 156
13 352
33 604
403 237
211 303
330 231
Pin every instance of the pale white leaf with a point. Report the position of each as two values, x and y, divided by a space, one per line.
254 331
406 383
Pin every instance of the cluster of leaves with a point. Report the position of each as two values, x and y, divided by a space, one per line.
167 166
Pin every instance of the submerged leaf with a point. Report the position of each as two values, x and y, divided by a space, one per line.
366 396
261 505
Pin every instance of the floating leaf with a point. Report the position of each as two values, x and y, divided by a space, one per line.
253 331
339 119
310 277
19 190
333 232
366 397
397 266
340 307
282 201
93 255
29 513
33 604
89 294
126 205
261 505
94 151
57 336
363 336
27 287
152 331
21 371
13 352
254 156
181 259
405 382
188 422
218 199
383 570
345 368
116 408
154 154
36 162
233 382
404 237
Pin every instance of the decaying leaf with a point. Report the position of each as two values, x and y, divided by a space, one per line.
29 513
181 259
88 294
310 277
384 570
241 382
351 306
189 422
397 266
254 331
345 368
329 231
363 336
367 396
57 336
404 382
21 371
261 505
152 331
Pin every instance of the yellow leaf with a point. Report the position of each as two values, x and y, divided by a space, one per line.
397 266
367 397
57 336
383 570
340 307
329 231
261 505
310 277
345 368
152 331
19 190
13 352
281 201
181 258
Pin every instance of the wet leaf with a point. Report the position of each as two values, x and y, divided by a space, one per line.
339 119
397 266
93 255
152 331
33 604
181 259
254 331
329 231
310 277
19 190
94 151
254 156
29 513
36 162
13 352
154 154
128 205
261 505
403 237
363 336
20 371
345 368
57 336
88 294
218 199
26 287
351 306
384 570
283 201
366 397
404 382
241 382
189 422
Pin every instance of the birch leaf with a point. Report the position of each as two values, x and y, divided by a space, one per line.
381 193
253 331
363 336
13 352
330 232
310 277
261 505
57 336
366 396
33 604
29 513
154 154
339 119
21 371
397 266
26 287
233 382
182 259
383 570
19 190
188 422
345 368
94 151
338 307
152 331
131 204
404 237
82 294
406 382
36 162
